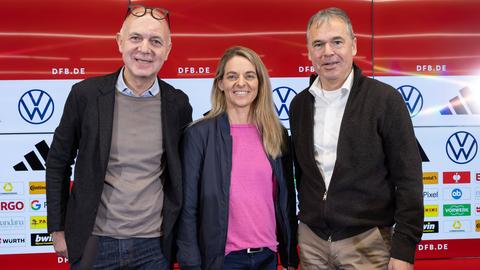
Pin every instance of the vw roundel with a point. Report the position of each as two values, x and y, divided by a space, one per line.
282 96
36 106
461 147
413 99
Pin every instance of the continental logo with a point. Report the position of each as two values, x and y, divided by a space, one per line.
431 210
37 187
430 178
38 222
430 227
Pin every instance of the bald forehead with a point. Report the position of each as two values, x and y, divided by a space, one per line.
131 18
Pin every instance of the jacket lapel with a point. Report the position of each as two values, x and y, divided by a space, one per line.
106 104
169 117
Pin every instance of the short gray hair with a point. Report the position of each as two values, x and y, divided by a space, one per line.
328 13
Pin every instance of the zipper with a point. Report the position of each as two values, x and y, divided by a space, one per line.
325 196
330 238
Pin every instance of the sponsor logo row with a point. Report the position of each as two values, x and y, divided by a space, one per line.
451 194
33 205
36 239
15 223
461 177
451 226
451 210
17 188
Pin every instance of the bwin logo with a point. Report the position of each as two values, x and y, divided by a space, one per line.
36 106
457 194
282 96
413 99
461 147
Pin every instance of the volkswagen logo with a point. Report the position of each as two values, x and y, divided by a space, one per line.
36 106
282 96
461 147
413 99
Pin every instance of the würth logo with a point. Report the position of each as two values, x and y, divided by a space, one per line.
36 106
464 103
33 160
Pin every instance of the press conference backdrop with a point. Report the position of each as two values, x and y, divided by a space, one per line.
427 50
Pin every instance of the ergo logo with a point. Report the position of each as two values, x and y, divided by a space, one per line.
11 205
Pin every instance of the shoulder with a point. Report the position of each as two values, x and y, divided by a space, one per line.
172 93
301 98
201 126
377 87
93 86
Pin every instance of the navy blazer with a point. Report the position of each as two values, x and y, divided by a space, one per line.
207 164
85 133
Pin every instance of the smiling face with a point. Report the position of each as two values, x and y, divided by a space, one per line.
239 84
145 44
331 49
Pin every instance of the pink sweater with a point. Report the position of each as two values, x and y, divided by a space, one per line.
251 215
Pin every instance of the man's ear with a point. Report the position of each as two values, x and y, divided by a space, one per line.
119 40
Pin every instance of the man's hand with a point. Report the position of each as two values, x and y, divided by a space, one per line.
395 264
59 243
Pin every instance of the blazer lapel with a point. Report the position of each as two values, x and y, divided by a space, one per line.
169 118
106 104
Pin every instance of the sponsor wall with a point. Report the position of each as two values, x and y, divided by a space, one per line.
415 51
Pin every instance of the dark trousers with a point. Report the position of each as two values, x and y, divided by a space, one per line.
108 253
241 260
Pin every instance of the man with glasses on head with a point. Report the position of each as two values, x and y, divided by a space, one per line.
357 165
123 129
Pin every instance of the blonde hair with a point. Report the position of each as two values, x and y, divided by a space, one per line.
262 113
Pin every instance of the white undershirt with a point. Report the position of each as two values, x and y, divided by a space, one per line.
328 114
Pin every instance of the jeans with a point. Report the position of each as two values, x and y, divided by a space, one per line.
108 253
241 260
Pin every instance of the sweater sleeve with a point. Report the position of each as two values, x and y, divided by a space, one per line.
405 172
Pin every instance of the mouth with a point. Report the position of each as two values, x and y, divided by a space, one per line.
241 92
142 60
331 64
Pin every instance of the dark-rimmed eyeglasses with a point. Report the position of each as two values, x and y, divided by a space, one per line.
155 12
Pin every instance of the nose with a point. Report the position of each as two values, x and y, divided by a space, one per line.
328 49
144 46
241 81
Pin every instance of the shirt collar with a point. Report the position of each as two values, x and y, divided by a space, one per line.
123 88
317 91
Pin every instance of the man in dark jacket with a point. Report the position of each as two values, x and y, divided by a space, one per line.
124 130
357 165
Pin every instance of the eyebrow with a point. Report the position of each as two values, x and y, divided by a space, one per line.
139 34
234 72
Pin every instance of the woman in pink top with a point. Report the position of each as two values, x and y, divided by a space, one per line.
239 201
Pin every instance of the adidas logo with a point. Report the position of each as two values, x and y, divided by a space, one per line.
33 160
464 103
